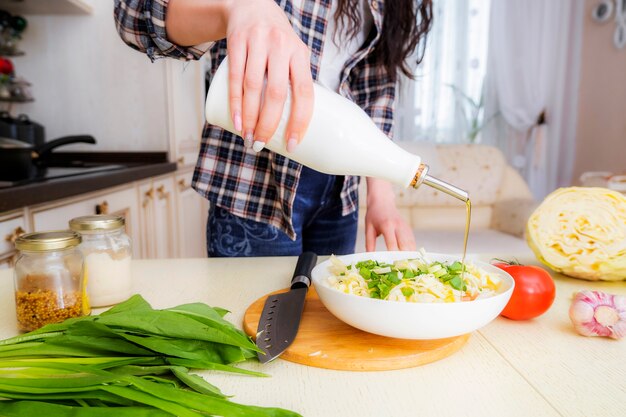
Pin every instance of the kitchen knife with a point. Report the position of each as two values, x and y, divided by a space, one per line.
281 314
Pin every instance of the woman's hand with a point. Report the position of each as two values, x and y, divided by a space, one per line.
383 218
261 41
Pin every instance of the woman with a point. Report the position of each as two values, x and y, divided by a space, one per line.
263 203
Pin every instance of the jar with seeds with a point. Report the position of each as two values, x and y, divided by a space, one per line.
49 279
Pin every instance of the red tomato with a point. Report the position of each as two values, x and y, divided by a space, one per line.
533 294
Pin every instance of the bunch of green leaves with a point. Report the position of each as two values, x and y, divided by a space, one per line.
380 284
131 360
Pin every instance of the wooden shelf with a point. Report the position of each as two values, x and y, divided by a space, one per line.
60 7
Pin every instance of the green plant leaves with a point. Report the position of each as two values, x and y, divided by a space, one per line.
131 360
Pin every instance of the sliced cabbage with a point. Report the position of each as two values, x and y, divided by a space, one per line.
581 232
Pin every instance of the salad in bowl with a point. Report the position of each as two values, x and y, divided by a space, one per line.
412 295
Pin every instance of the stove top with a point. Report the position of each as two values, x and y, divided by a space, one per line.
50 173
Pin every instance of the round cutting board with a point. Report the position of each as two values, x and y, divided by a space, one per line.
324 341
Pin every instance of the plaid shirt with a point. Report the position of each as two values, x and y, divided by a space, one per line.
262 186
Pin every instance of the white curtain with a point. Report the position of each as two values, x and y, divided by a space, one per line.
533 69
433 107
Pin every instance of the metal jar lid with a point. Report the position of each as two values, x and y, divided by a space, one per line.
48 241
97 222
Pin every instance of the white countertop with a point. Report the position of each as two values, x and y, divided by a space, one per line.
533 368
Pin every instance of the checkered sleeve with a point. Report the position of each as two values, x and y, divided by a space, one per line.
141 25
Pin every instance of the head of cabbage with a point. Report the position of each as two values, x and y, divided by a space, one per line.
581 232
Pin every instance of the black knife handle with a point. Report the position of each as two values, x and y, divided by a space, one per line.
302 274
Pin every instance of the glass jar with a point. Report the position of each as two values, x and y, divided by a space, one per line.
49 279
107 252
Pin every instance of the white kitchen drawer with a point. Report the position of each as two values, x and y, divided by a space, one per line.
10 227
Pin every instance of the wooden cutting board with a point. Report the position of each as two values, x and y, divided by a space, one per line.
324 341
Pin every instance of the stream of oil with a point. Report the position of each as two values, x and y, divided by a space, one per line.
468 217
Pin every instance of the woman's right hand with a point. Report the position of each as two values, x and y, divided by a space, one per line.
262 42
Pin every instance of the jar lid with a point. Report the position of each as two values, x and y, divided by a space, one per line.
48 241
97 222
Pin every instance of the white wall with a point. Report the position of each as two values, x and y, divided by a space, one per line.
86 80
601 132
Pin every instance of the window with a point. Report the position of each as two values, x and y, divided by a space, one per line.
442 104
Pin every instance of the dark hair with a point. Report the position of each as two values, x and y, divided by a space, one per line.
405 26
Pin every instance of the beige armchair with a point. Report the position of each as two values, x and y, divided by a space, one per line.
501 202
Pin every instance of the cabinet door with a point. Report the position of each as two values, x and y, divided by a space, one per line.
121 201
192 216
165 219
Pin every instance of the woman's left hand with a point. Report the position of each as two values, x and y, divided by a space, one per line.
383 218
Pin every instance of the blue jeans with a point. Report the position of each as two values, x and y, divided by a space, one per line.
317 220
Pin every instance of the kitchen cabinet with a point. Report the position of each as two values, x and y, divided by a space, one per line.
120 201
192 216
165 217
158 218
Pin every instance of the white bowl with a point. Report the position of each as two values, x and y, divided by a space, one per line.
411 320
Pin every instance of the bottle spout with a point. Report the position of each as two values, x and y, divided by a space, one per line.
422 177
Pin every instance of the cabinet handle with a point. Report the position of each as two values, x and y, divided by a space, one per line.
181 160
182 186
102 208
17 232
162 193
149 195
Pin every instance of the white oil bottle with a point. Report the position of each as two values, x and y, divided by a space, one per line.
341 139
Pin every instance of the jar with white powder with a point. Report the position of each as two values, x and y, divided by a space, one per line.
107 252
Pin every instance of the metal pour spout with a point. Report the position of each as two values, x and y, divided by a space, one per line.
422 177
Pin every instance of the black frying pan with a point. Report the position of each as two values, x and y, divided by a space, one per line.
19 160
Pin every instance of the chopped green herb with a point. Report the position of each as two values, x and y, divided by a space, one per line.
407 291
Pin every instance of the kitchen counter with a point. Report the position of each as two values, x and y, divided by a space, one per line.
539 367
135 166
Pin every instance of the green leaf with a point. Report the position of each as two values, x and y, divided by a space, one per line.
170 324
41 408
191 349
365 273
155 401
457 283
393 277
208 404
407 291
408 273
196 382
368 264
456 266
212 366
133 304
87 395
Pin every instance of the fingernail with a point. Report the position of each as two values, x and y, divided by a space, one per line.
237 121
248 140
291 144
258 145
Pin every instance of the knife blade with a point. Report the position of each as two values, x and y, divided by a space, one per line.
280 318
